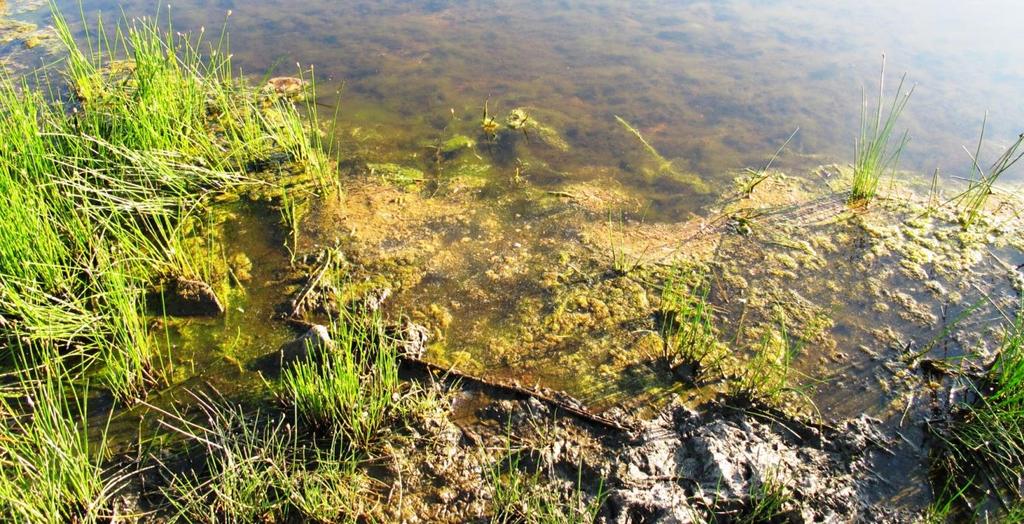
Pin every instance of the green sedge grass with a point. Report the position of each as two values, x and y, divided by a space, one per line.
349 387
875 153
981 182
53 471
260 467
986 441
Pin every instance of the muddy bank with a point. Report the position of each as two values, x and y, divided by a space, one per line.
717 462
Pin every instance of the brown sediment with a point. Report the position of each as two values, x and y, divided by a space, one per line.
190 297
300 301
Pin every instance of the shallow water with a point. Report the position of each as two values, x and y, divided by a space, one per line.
718 85
713 86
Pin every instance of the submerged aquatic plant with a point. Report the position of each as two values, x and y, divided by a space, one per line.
980 184
874 154
664 165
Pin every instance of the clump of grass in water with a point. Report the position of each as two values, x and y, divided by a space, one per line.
259 470
766 378
622 262
987 438
349 386
128 167
687 324
980 185
874 155
128 352
147 137
52 471
176 99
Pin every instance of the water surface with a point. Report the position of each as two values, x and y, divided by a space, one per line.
717 85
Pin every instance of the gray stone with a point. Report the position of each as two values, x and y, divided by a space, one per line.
315 340
412 340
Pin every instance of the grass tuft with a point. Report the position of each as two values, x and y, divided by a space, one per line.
874 154
769 497
350 386
52 471
766 378
980 185
985 443
687 324
100 195
521 497
257 470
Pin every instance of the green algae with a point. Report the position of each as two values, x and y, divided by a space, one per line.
399 175
457 144
11 30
